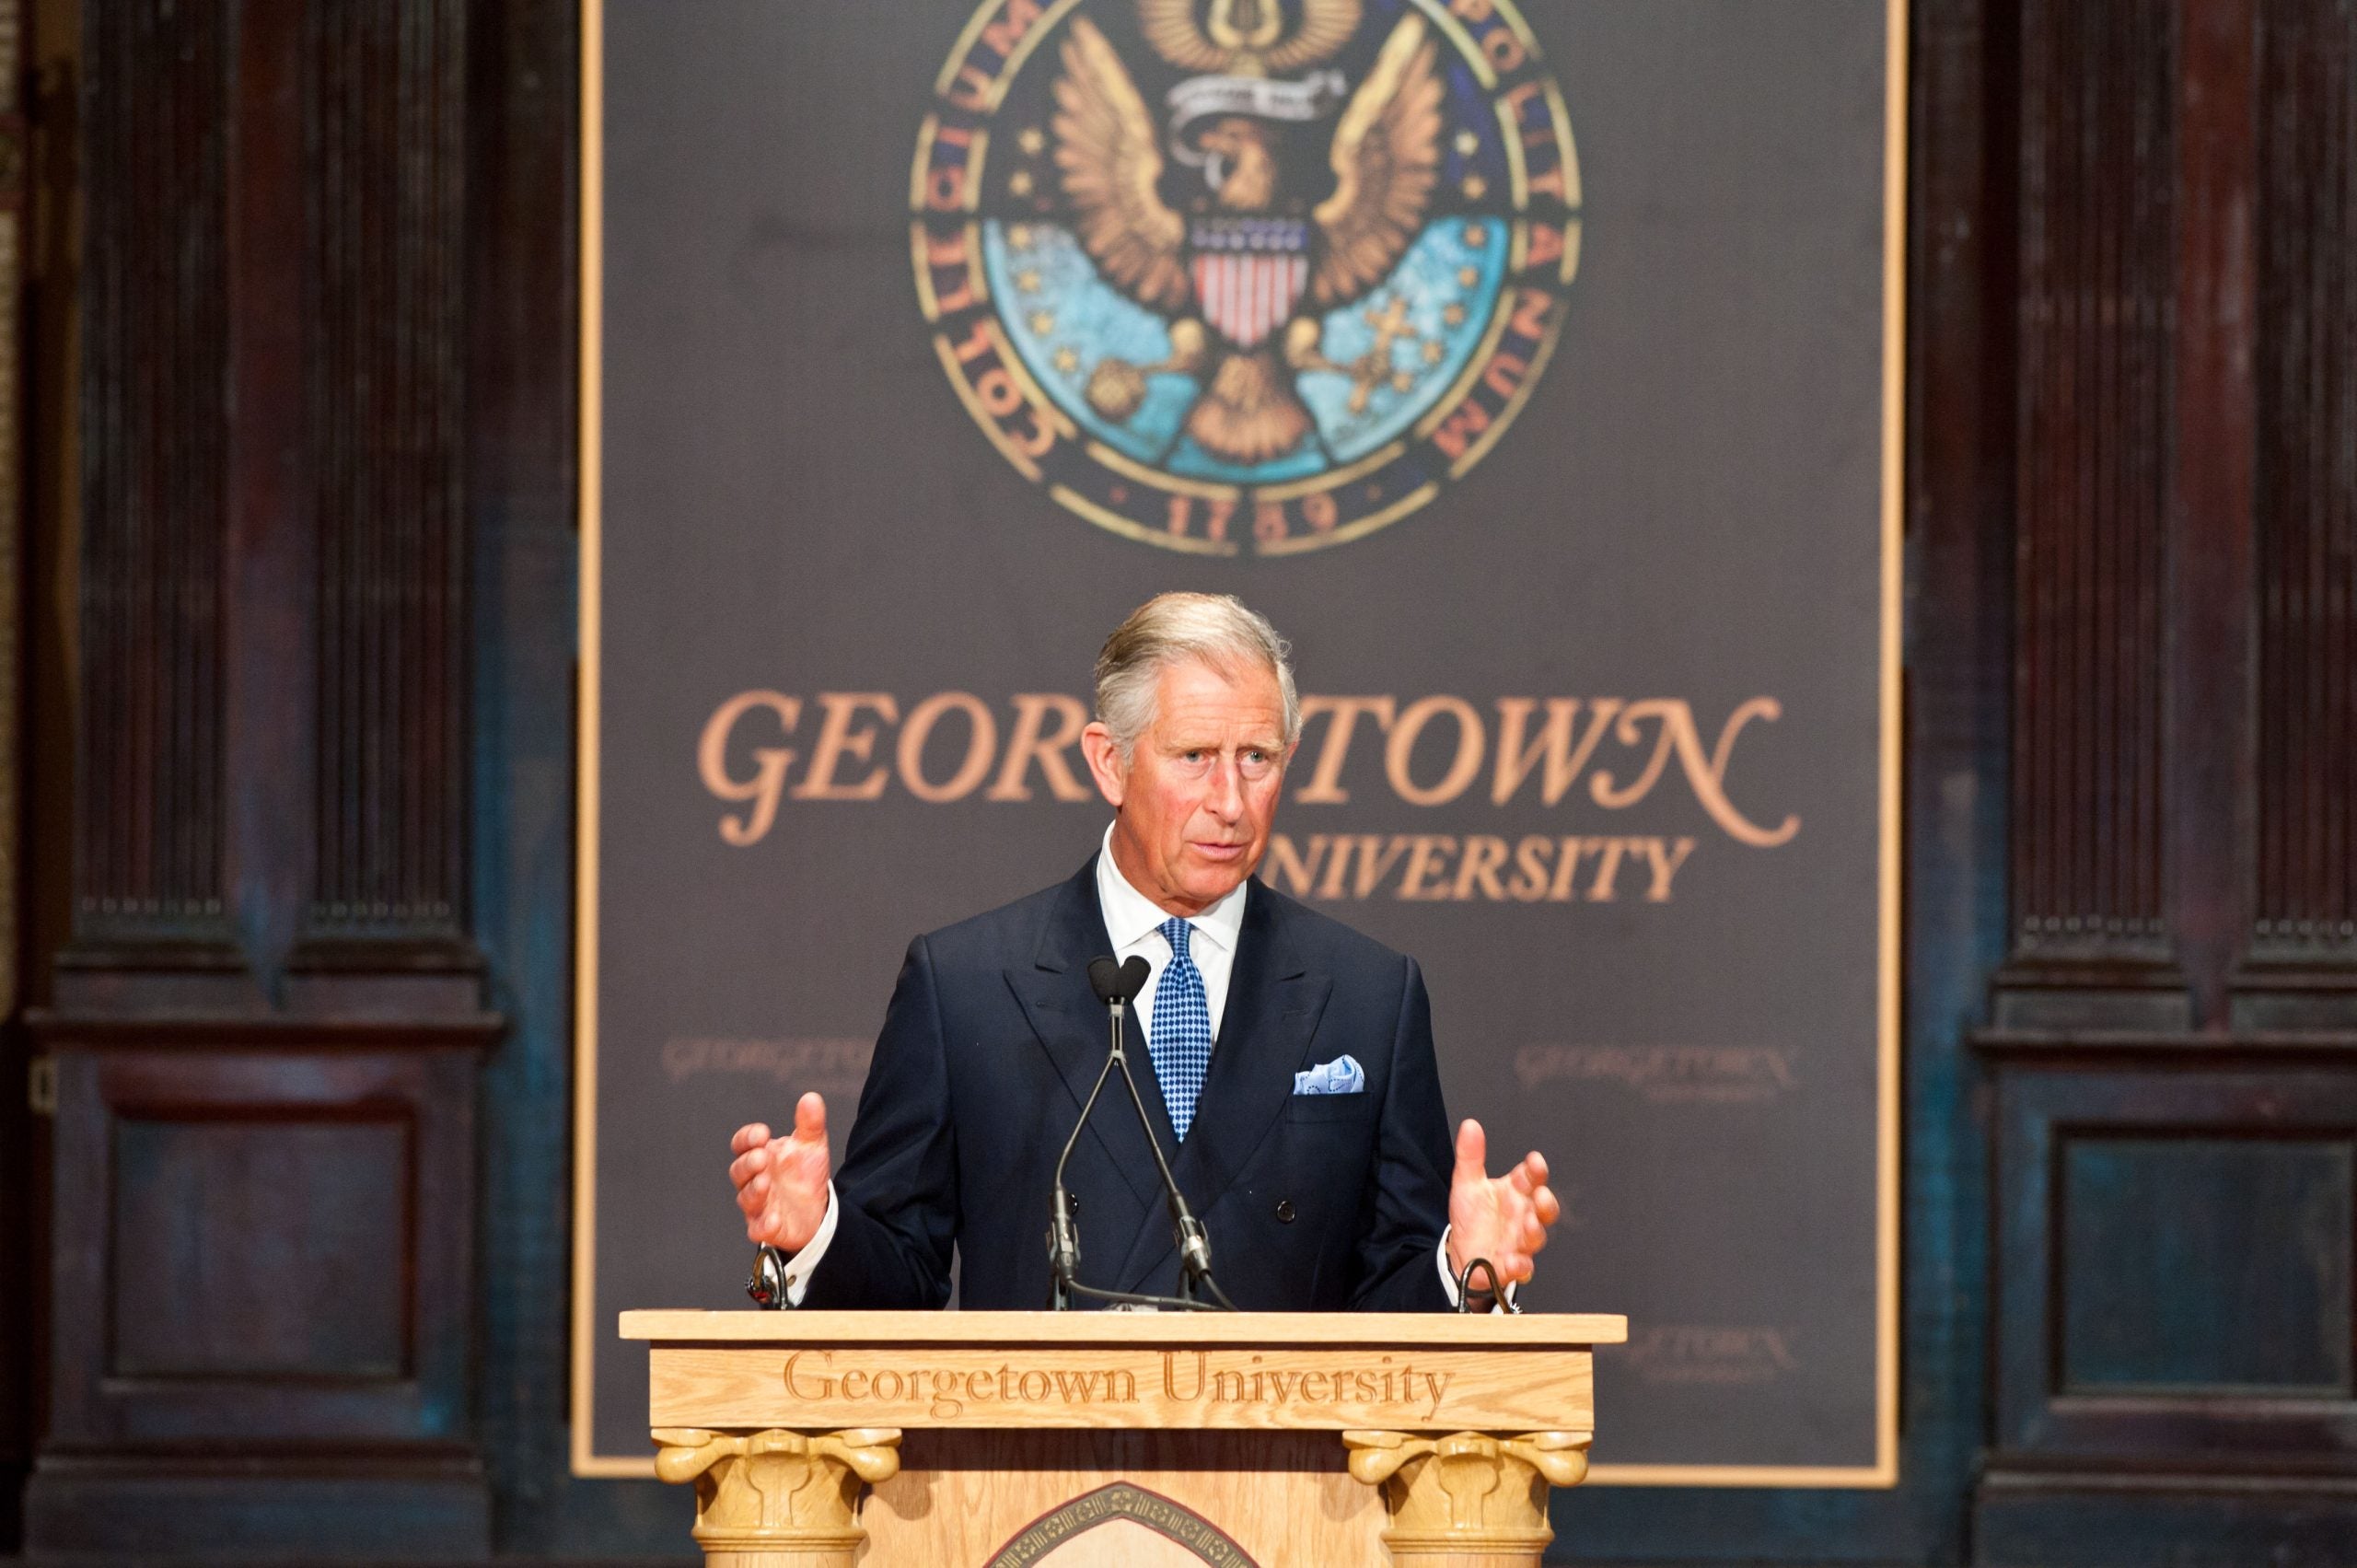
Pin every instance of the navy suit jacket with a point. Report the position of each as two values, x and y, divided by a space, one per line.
992 1038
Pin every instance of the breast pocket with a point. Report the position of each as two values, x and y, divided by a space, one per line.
1359 1107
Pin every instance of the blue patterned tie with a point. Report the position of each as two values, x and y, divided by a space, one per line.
1180 1040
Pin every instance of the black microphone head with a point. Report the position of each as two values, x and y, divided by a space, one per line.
1105 978
1133 979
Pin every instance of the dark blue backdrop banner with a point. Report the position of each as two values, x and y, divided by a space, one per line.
1532 368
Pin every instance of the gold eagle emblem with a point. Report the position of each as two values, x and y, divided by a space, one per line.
1232 272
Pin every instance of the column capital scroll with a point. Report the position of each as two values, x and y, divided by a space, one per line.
776 1497
1468 1496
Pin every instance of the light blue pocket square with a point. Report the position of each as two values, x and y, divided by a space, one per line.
1343 1075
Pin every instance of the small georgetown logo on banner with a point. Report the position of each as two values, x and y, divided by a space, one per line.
1240 276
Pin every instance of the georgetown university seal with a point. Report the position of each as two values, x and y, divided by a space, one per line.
1237 276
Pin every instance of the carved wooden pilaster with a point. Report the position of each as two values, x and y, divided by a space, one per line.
1468 1500
387 404
2092 938
2300 969
150 860
774 1499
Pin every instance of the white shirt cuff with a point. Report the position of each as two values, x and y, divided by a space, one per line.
798 1267
1447 1278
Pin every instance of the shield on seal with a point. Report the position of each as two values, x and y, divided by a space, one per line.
1249 275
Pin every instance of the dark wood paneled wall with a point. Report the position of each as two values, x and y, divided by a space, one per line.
268 1020
2173 1049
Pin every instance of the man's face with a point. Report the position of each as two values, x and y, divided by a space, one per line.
1194 800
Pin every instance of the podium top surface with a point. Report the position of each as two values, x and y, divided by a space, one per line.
1557 1330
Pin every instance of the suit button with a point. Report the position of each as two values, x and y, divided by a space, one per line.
1284 1211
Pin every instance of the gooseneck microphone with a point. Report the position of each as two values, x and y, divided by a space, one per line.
1105 977
1115 989
1116 985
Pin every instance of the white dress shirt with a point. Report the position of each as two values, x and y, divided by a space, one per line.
1134 924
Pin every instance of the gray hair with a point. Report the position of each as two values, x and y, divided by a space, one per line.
1169 629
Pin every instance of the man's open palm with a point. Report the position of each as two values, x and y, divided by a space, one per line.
1502 1218
781 1182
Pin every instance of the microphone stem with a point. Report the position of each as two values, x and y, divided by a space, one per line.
1064 1246
1064 1243
1194 1244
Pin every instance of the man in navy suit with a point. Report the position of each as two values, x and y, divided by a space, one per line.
1292 1088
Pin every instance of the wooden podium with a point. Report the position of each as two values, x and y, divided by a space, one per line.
1041 1440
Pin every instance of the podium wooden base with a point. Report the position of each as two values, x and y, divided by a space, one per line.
1028 1441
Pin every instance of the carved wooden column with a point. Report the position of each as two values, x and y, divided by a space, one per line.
778 1499
1468 1500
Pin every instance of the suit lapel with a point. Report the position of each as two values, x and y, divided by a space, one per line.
1273 1003
1063 1012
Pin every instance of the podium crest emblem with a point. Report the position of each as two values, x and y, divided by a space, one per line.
1063 1535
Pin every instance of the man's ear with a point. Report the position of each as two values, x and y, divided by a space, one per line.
1104 764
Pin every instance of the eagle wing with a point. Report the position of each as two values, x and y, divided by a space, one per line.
1386 155
1113 167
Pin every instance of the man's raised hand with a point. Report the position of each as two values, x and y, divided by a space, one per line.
1502 1218
781 1182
